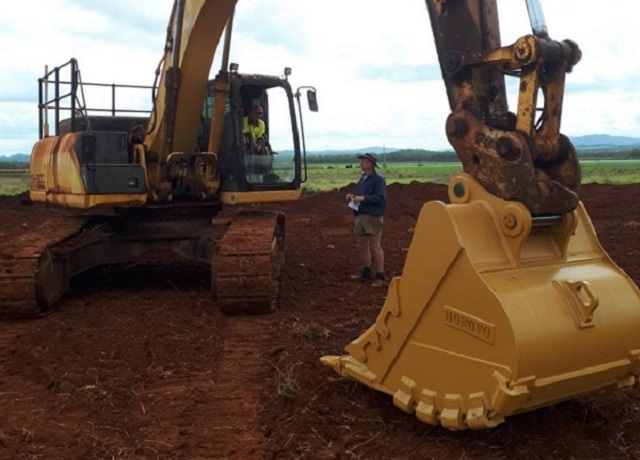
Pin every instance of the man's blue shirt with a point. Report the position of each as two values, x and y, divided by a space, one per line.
374 190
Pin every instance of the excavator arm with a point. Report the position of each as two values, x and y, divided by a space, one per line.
518 156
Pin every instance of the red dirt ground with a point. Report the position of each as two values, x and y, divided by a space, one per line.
141 365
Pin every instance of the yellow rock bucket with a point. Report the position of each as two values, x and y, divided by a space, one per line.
498 312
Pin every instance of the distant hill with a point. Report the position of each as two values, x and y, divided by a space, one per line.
599 141
588 142
16 158
376 150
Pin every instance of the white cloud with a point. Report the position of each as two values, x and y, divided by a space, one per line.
372 61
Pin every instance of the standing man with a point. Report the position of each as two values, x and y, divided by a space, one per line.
370 203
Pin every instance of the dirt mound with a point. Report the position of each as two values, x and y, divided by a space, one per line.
140 364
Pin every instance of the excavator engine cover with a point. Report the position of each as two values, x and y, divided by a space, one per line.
498 312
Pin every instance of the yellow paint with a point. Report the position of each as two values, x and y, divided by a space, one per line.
55 160
90 201
55 177
259 197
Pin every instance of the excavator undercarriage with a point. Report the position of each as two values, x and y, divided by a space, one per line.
245 251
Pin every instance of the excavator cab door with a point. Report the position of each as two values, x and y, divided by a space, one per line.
258 164
269 160
264 165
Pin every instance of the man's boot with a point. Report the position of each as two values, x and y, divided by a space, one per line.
378 280
365 274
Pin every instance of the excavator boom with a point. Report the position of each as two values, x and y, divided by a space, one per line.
193 34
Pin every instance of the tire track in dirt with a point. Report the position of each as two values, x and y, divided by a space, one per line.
219 409
11 331
239 386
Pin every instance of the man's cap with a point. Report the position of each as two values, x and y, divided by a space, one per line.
369 156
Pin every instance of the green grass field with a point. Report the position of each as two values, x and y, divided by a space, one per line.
328 177
12 183
610 171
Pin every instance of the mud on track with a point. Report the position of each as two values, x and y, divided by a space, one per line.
139 364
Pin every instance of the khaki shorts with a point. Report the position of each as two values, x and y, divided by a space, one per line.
368 225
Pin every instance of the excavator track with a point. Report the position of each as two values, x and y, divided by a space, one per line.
31 279
246 257
247 267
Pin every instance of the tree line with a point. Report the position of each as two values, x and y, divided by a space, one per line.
397 156
13 165
426 156
631 154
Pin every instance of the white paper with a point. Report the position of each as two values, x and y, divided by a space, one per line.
353 205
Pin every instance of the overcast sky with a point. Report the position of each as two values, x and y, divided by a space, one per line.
373 62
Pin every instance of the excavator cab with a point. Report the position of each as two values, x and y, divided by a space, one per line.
269 164
106 165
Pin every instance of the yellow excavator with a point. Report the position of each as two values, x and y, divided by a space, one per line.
149 188
507 302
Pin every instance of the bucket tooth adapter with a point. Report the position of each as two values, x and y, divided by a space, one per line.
496 313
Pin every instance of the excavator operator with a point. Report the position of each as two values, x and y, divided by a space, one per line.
259 160
254 130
